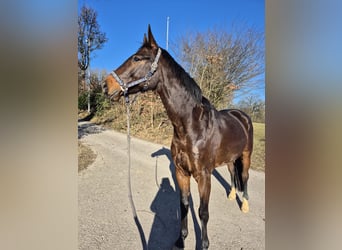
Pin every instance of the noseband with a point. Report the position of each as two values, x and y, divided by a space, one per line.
125 86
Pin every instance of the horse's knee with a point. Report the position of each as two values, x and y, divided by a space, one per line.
203 213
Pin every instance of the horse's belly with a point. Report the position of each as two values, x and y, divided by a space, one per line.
226 156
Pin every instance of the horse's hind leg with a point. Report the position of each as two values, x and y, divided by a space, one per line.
232 194
246 161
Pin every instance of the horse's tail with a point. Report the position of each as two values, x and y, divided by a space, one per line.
238 173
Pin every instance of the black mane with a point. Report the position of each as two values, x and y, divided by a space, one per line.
185 79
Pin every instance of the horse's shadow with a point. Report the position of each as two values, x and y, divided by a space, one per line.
226 186
166 206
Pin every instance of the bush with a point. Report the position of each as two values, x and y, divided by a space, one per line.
98 102
83 101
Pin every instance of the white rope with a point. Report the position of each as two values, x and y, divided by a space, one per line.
130 197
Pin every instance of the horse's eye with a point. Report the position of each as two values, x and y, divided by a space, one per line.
136 58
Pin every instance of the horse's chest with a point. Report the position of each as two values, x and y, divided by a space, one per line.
183 161
191 158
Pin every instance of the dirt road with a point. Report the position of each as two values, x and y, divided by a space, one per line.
105 217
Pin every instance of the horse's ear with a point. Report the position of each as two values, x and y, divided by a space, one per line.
151 39
145 39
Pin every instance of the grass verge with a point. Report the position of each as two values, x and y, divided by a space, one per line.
258 155
86 156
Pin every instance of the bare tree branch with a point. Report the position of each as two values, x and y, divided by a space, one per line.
88 30
223 63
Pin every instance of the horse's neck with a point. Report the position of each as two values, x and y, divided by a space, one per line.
175 102
178 103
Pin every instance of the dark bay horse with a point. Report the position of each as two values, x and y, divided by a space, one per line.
204 138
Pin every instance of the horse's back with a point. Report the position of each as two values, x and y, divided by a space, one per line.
241 116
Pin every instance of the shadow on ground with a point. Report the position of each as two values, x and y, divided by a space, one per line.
166 207
86 128
226 186
86 118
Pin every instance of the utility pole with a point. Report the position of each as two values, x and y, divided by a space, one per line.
167 33
88 74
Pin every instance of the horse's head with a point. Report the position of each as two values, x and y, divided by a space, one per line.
138 73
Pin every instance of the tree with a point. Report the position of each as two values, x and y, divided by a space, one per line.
254 107
90 38
223 62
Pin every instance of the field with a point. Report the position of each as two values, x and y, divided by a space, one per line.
258 156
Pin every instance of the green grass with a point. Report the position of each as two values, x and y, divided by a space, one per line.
258 156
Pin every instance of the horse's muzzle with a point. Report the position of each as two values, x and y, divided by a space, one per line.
111 89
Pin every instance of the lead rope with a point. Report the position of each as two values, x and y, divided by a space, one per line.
156 173
130 197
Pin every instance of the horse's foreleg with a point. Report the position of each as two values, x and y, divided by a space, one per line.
204 186
232 194
184 186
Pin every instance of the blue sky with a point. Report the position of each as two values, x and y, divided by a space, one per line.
125 23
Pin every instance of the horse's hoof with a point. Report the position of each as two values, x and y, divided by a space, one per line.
179 244
205 245
232 194
245 206
184 233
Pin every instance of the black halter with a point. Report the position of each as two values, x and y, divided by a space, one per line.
146 78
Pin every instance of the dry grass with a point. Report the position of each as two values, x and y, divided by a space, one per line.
148 119
85 156
258 156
